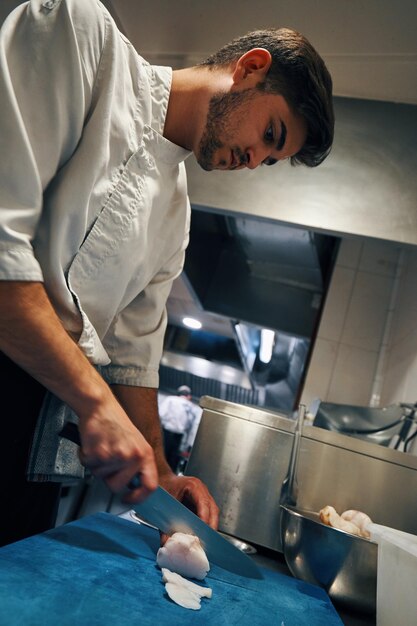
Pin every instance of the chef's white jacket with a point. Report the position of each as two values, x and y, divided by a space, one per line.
93 198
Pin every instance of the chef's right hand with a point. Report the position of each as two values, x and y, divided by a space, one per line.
113 449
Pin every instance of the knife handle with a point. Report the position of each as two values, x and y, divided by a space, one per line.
70 431
135 483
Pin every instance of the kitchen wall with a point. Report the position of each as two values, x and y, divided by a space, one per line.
400 376
366 348
370 47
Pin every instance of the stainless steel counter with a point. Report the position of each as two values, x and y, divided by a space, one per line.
237 450
242 453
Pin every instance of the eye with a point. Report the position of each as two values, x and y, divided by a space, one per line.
269 135
269 161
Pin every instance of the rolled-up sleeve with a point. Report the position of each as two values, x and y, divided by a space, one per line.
45 93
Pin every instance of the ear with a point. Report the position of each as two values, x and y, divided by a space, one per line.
252 67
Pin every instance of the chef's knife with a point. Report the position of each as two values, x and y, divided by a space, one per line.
168 514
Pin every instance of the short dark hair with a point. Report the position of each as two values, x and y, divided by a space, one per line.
299 74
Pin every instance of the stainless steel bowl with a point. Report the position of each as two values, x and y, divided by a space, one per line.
343 564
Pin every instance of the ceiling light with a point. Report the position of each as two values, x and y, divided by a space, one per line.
191 323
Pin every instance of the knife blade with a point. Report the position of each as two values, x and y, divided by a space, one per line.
168 514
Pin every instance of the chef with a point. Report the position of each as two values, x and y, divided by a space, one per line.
180 418
94 223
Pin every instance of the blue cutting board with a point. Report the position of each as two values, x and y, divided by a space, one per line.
101 571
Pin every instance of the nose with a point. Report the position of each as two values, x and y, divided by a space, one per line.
255 156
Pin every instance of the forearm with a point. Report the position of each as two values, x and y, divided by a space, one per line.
32 335
141 405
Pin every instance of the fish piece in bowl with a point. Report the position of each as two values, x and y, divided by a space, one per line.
351 521
344 564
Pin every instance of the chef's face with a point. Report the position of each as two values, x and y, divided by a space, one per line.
248 128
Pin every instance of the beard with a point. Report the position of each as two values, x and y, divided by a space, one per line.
223 119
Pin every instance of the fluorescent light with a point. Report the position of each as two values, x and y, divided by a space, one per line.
191 323
267 344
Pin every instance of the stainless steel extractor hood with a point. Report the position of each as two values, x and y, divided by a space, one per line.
259 272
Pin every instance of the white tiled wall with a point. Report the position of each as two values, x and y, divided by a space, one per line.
400 380
349 344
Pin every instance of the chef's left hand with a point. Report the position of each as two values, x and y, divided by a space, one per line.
193 493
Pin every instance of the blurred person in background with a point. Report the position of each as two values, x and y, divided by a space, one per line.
179 419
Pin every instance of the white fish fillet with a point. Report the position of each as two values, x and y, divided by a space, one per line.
176 579
354 522
360 519
183 596
329 516
184 592
184 555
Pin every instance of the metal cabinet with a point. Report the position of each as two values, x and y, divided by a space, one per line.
242 454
